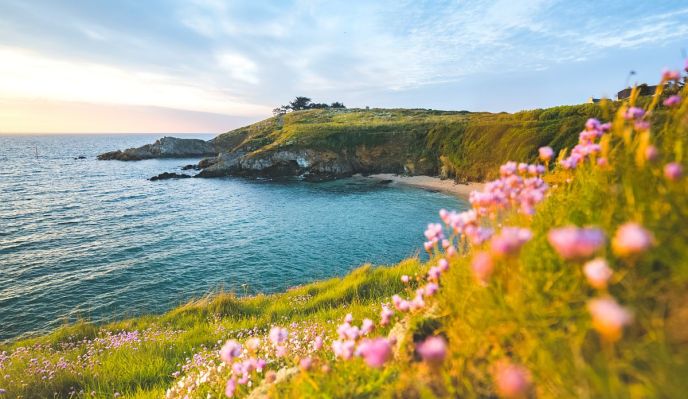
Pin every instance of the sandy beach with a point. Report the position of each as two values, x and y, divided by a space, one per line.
432 183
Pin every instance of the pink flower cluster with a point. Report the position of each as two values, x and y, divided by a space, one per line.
587 146
520 186
353 341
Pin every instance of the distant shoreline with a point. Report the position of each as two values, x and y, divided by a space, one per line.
449 186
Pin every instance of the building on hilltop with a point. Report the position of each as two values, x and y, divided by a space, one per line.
644 90
593 100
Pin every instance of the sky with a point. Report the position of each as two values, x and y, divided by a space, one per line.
166 66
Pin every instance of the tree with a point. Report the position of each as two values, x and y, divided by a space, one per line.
337 104
300 103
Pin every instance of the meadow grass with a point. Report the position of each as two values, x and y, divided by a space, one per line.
532 310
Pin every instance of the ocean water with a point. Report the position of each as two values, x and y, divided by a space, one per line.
96 240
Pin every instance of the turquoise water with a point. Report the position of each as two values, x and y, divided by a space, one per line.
95 239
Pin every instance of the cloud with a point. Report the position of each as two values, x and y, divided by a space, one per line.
25 74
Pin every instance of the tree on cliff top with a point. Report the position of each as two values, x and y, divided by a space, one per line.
302 103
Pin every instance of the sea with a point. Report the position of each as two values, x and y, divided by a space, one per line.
96 240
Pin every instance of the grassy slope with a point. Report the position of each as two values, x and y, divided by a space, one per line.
469 145
534 311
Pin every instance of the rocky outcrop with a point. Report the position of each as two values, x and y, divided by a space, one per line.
166 147
167 176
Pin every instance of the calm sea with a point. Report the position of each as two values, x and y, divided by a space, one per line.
95 239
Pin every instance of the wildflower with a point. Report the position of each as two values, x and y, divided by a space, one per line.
576 243
386 315
230 388
609 318
672 101
673 171
317 343
642 125
443 265
375 352
430 289
651 153
280 351
598 273
510 241
348 318
305 363
230 350
482 266
278 335
367 326
668 75
405 279
434 273
433 350
428 245
400 304
451 251
634 113
631 239
512 381
434 232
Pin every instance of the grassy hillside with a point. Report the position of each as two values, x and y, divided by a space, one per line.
563 282
465 145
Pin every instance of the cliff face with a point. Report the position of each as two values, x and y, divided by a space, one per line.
166 147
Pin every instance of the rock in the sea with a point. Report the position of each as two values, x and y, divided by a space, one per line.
191 167
167 175
80 157
166 147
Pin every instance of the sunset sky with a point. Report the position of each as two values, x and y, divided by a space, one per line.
210 65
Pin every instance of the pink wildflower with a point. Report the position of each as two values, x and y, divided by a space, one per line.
482 266
305 363
546 153
430 289
631 239
668 75
576 243
634 113
609 318
343 349
443 265
386 315
673 171
510 241
598 273
651 153
512 381
672 101
317 343
641 125
278 335
434 273
451 251
375 352
405 279
230 350
348 318
433 350
231 386
367 326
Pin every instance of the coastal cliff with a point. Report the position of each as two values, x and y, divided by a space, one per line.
324 144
